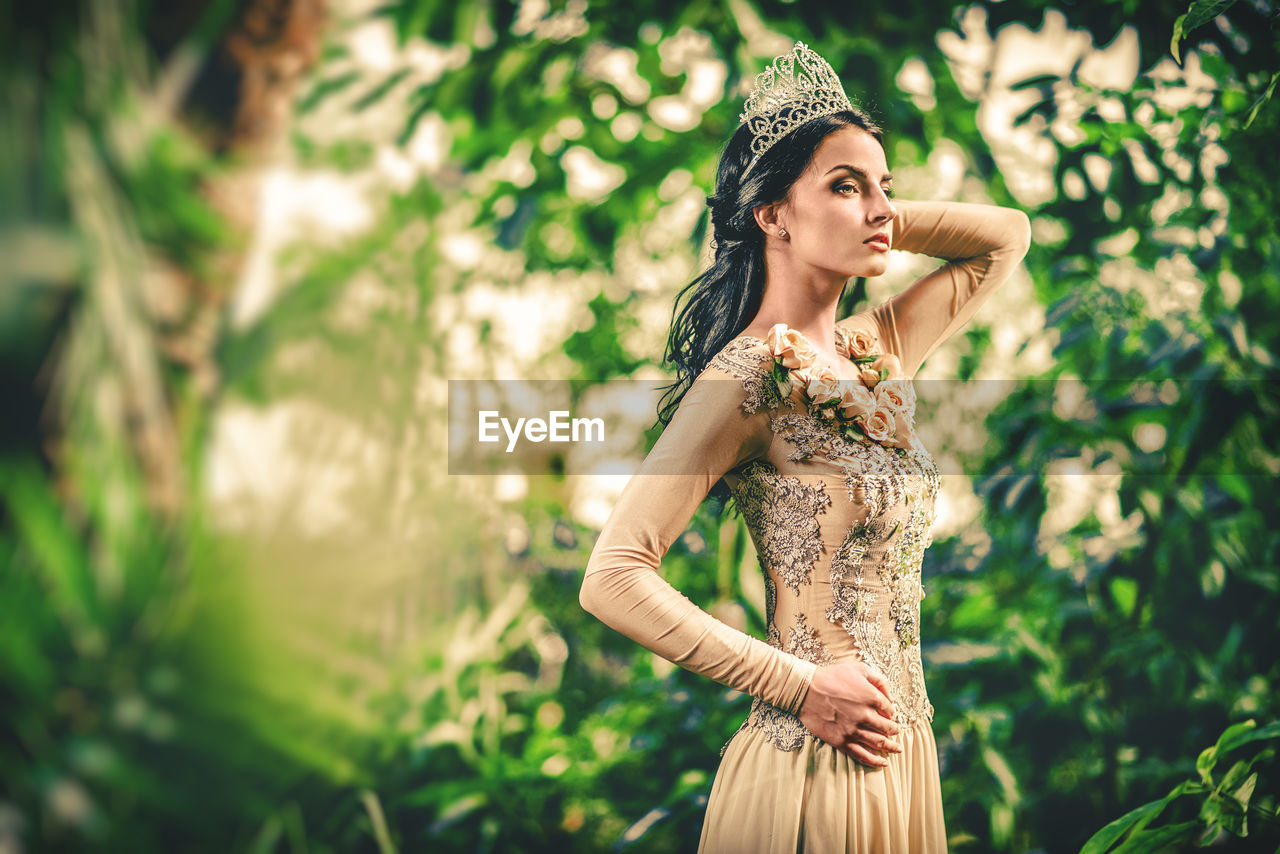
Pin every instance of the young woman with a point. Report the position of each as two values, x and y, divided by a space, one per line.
810 424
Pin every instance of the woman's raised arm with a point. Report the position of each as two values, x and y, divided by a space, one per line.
982 245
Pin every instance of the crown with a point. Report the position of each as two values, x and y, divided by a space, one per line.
798 87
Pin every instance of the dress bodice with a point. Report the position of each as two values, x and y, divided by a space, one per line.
840 524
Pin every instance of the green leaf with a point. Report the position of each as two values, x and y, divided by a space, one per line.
1244 791
1234 736
1174 43
1209 756
1132 822
1231 801
1125 592
1243 733
1045 80
1103 841
1262 99
1203 11
62 564
1198 13
1159 838
379 821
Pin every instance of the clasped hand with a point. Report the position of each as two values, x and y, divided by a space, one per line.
848 707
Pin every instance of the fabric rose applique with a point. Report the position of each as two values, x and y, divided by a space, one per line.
880 404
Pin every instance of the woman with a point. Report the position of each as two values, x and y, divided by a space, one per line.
809 422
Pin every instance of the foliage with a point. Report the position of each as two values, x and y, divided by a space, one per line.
1224 807
544 729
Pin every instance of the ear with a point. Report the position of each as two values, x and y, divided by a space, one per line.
771 217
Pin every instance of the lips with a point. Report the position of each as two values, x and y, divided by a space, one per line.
878 241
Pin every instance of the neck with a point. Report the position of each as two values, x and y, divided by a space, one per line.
805 299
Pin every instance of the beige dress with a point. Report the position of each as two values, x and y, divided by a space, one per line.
840 523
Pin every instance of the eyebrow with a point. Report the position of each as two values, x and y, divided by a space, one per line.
859 172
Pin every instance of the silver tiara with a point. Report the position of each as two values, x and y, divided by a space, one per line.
786 96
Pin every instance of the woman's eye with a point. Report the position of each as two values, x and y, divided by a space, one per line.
847 189
888 191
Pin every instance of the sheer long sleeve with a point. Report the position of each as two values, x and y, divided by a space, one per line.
982 245
711 433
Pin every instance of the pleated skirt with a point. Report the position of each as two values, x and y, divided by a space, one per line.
817 800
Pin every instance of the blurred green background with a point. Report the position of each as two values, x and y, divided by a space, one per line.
243 605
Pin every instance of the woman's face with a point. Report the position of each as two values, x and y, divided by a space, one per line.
838 213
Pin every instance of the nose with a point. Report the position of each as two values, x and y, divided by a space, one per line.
881 210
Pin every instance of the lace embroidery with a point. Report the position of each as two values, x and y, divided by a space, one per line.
741 357
852 602
813 436
899 521
903 577
803 641
809 435
782 515
781 728
770 600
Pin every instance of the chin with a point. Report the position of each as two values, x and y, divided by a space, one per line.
869 271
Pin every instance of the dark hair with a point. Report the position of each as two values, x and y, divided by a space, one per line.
716 306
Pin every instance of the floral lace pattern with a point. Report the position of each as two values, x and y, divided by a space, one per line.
883 616
741 358
852 602
781 729
803 641
782 514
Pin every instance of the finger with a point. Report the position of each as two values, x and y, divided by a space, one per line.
876 678
883 707
876 743
860 754
878 723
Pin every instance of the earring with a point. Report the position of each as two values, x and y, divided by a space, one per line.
782 232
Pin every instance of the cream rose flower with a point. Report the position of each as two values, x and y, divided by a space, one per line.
880 425
790 347
899 396
855 401
823 389
869 376
890 364
861 343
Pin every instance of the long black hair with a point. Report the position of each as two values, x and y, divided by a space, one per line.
716 306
